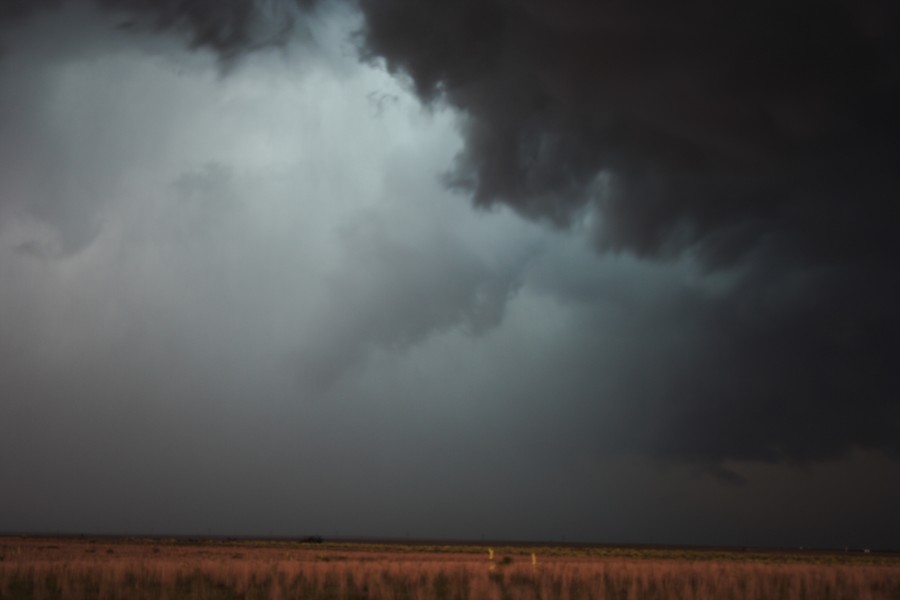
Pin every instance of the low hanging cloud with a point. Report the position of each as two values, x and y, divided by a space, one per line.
759 141
755 143
716 125
228 27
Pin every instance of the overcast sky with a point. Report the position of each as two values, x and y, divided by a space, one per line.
538 270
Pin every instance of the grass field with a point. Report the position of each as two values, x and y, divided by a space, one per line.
104 568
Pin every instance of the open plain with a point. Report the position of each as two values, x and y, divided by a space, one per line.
193 569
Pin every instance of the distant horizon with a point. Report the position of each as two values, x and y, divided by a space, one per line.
415 541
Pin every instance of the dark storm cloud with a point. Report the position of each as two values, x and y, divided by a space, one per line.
14 9
229 27
757 139
239 304
747 366
717 123
43 169
760 139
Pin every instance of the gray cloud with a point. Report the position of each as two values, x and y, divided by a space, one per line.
220 288
750 366
707 117
257 240
230 27
755 139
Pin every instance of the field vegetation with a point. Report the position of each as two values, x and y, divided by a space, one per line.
63 569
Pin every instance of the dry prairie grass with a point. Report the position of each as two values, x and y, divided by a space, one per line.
107 570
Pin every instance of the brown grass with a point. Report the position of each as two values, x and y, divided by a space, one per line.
139 569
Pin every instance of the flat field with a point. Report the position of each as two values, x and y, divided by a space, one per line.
136 568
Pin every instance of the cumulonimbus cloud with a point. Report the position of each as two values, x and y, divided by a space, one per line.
757 138
760 139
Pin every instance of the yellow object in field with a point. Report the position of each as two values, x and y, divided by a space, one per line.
533 559
490 554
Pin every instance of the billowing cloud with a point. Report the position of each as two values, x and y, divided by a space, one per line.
757 140
229 27
228 269
716 124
